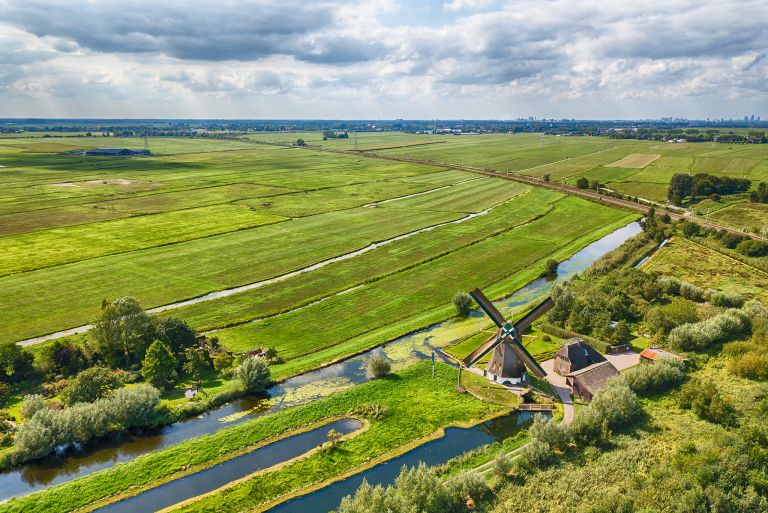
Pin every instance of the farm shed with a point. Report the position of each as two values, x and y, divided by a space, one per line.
590 380
652 355
575 355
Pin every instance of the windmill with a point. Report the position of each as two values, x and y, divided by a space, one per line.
510 359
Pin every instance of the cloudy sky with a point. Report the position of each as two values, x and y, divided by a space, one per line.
383 58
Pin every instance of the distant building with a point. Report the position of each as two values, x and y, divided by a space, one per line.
652 355
575 355
119 152
587 382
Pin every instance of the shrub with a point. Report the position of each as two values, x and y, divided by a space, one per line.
692 292
550 266
751 365
654 378
582 183
753 248
222 361
32 404
89 385
370 411
62 358
705 400
720 328
463 303
254 373
502 464
662 319
378 366
727 299
670 285
47 428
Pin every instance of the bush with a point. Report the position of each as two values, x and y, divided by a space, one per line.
654 378
47 429
727 299
463 303
753 248
582 183
550 266
378 366
751 365
222 361
32 404
692 292
15 363
705 400
670 285
370 411
700 335
254 373
89 385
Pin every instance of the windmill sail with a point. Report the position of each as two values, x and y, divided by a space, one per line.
508 333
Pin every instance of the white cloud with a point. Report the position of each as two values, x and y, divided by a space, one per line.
259 58
467 5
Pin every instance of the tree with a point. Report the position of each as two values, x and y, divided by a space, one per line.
463 303
334 437
547 177
254 374
123 331
176 334
89 385
300 142
582 183
159 366
378 366
15 363
621 332
62 358
197 362
222 361
550 267
594 184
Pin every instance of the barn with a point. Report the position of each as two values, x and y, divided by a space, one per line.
588 381
575 355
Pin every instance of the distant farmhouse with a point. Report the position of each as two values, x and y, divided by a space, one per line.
112 152
575 355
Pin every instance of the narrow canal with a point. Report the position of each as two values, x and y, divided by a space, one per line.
297 390
456 441
219 475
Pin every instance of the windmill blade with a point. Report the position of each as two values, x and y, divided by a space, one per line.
486 347
539 310
488 307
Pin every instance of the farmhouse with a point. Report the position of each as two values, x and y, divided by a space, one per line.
575 355
120 152
586 382
653 355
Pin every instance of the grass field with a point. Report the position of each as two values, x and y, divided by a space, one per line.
434 404
635 160
708 269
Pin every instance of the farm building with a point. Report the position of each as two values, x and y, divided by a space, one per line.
575 355
588 381
119 152
652 355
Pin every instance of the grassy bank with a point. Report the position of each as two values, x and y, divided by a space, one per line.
433 403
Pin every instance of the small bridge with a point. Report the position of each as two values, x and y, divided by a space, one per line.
536 407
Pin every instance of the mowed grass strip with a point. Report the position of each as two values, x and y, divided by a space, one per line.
472 196
70 294
744 215
422 288
60 246
635 160
381 262
433 403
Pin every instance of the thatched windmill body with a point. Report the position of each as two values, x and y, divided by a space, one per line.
510 360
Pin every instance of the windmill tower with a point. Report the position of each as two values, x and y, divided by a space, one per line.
510 359
146 142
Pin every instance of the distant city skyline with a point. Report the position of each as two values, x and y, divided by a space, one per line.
382 59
